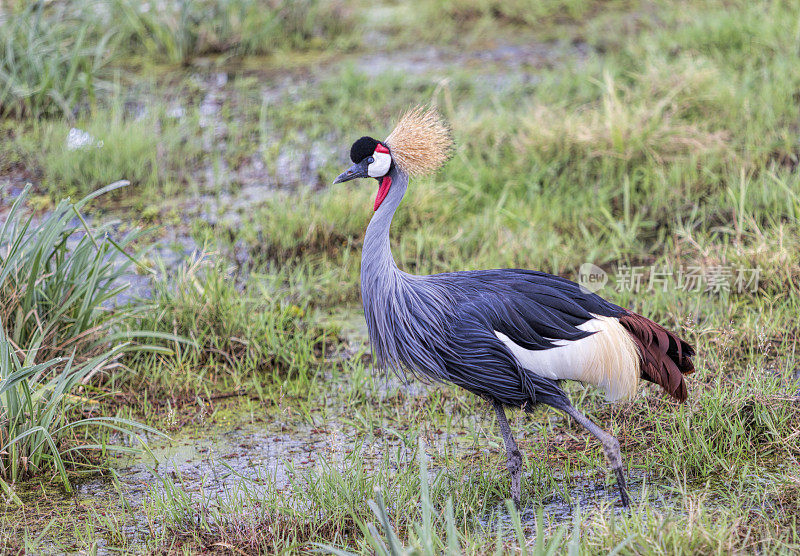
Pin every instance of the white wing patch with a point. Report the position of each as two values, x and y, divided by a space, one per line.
380 167
608 358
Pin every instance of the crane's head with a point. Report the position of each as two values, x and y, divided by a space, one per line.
418 145
371 159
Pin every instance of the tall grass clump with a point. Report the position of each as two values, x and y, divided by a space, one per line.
59 280
175 32
235 330
50 61
40 405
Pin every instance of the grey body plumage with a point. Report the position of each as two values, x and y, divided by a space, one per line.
443 326
492 332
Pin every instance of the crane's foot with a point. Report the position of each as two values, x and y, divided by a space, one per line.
610 447
623 489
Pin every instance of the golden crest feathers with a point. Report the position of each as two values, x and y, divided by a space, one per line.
421 141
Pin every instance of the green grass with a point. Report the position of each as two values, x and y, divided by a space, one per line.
624 158
56 55
657 134
238 333
180 31
58 277
51 61
406 508
468 22
147 152
58 331
39 429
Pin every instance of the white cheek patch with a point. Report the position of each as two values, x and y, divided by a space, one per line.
379 168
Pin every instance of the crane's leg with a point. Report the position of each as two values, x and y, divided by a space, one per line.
610 447
514 462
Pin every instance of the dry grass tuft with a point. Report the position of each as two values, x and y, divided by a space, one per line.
421 142
625 127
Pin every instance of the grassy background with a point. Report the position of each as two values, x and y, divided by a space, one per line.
622 133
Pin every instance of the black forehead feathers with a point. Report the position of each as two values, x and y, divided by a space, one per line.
363 148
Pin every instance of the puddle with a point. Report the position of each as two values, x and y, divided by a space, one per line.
213 461
504 57
210 464
11 187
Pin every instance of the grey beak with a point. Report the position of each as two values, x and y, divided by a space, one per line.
357 170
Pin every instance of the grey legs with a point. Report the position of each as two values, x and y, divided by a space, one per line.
514 457
610 447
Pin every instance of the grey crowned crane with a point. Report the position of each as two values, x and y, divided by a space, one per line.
511 336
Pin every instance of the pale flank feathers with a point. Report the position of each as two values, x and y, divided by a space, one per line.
607 359
421 142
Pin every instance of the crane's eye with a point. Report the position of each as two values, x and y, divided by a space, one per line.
370 160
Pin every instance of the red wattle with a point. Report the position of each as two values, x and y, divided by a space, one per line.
383 191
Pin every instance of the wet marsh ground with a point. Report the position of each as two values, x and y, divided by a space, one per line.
652 138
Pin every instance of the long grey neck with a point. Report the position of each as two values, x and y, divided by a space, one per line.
380 278
376 257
